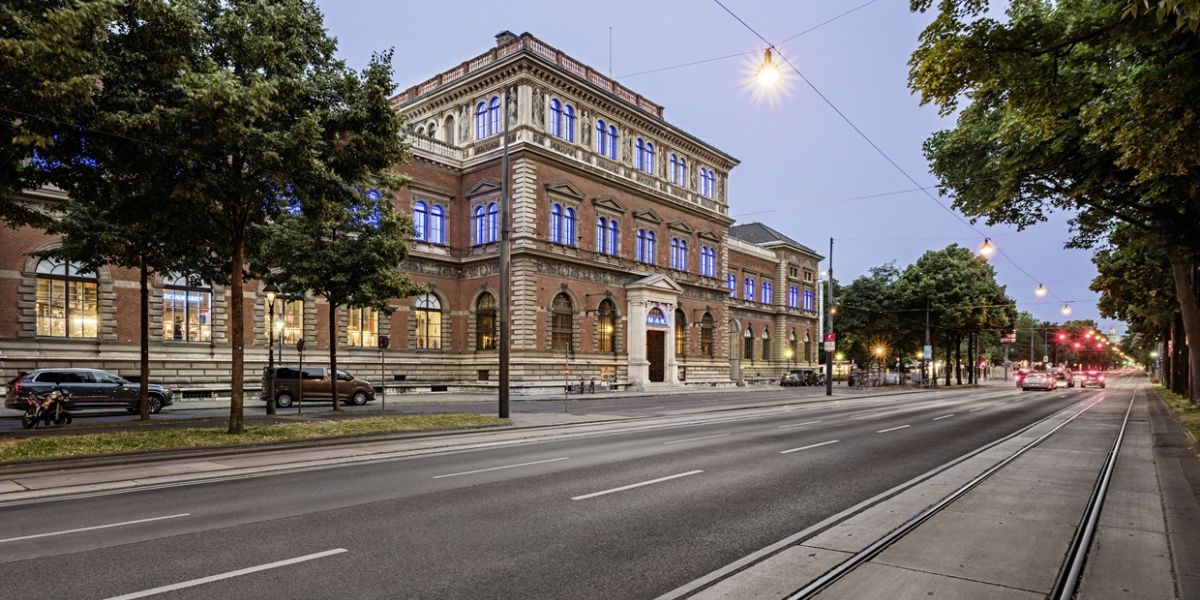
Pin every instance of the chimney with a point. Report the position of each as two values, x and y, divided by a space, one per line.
505 38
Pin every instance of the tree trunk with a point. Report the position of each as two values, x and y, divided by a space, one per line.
1186 294
971 359
144 333
958 360
949 341
236 334
333 380
1176 363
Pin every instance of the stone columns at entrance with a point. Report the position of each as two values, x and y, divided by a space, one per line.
654 291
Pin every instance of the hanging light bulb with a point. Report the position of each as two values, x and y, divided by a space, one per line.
1066 309
767 74
987 249
1040 292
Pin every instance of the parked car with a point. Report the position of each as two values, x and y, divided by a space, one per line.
1039 381
89 388
315 386
799 377
1092 379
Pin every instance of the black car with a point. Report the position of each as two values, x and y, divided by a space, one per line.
89 388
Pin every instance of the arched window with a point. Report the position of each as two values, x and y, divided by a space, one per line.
748 289
641 245
187 310
639 161
494 116
651 250
556 223
437 224
602 235
674 253
67 300
420 220
767 295
707 261
493 222
481 121
672 161
792 344
362 327
748 343
448 130
562 323
569 123
808 353
766 343
480 226
649 158
428 311
706 335
556 120
614 237
485 322
601 138
612 142
432 130
708 181
569 227
731 284
606 326
680 333
683 256
682 172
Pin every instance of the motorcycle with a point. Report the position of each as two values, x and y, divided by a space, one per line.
48 408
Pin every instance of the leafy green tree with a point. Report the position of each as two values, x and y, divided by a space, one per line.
1074 105
349 255
866 316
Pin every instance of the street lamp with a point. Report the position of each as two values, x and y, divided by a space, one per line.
987 249
1041 291
271 292
1066 309
767 74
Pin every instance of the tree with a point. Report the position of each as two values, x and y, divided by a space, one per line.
866 316
347 255
1075 105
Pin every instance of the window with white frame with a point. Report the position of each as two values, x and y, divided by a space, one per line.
731 285
480 225
645 246
427 310
768 296
601 138
362 327
67 300
708 182
607 235
562 224
808 300
187 310
708 261
612 142
793 297
748 288
487 118
644 159
562 120
429 222
679 254
493 222
677 170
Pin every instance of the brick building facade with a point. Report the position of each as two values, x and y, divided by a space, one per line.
625 268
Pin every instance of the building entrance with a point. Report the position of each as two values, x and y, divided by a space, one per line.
655 353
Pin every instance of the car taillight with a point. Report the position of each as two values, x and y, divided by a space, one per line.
1101 378
17 389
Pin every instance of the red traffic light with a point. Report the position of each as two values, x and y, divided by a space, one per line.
1062 337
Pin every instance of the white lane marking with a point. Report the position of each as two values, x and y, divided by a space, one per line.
975 409
942 417
893 429
636 485
695 439
231 574
810 446
92 528
536 462
799 424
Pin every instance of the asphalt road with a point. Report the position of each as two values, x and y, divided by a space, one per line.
622 515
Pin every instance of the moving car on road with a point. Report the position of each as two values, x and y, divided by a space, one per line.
315 386
1092 379
88 388
1039 381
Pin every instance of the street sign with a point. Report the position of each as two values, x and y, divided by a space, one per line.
383 342
927 352
829 346
830 336
1009 338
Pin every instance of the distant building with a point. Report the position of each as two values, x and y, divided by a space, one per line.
625 268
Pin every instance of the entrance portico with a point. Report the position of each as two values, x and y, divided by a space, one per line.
651 339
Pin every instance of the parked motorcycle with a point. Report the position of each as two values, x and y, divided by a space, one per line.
47 408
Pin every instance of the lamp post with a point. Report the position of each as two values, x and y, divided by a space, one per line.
828 352
271 291
503 260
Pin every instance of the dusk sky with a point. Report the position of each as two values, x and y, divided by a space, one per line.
803 169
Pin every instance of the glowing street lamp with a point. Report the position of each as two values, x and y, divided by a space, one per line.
987 249
1066 309
1041 291
767 74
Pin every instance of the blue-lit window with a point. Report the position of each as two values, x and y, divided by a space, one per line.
708 261
479 223
602 235
682 261
493 224
708 182
674 253
672 164
569 123
656 317
601 138
748 289
650 248
494 116
682 172
614 238
731 285
641 245
649 158
793 297
569 227
612 142
767 295
808 300
420 219
481 121
556 223
556 118
437 224
639 161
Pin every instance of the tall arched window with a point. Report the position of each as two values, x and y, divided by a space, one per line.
481 121
614 237
601 138
748 289
731 284
612 142
748 343
651 249
706 335
674 253
682 173
672 165
639 161
362 327
494 116
562 323
650 158
437 224
602 235
808 353
493 222
480 226
766 343
556 118
428 311
792 345
432 131
420 218
485 322
606 326
556 223
569 123
641 245
448 130
683 256
187 310
768 296
680 333
569 227
67 300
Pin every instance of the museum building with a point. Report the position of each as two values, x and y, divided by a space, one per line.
626 268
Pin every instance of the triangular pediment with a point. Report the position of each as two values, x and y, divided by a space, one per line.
647 215
484 186
681 226
564 188
707 234
609 203
656 282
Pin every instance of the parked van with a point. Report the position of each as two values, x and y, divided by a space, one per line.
351 389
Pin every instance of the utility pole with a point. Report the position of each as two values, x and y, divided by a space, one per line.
502 318
927 352
829 353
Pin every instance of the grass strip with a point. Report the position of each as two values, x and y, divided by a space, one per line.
1187 414
99 444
